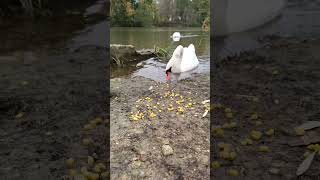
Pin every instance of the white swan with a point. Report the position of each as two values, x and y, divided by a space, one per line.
231 16
182 60
176 36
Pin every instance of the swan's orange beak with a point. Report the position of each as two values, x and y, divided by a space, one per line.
168 76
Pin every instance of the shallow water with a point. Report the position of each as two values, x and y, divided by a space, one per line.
149 37
298 19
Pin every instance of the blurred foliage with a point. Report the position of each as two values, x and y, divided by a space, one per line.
160 13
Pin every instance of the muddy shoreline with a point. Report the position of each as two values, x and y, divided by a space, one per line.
278 85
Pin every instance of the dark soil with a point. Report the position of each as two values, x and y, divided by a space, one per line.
280 83
44 103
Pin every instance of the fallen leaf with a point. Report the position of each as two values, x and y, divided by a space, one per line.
304 166
205 113
310 125
206 101
311 138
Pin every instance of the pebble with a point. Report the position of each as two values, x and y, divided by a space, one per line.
167 150
136 164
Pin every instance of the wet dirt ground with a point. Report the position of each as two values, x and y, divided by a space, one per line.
44 104
274 87
53 95
171 141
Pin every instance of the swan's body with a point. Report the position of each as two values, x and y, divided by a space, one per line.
236 16
182 60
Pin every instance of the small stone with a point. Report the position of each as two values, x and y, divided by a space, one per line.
167 150
136 164
274 171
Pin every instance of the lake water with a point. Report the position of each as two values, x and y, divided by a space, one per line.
148 38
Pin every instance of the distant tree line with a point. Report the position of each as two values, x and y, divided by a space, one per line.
160 13
40 7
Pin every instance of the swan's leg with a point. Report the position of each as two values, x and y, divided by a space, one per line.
175 79
178 77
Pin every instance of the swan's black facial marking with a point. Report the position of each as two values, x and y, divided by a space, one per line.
168 74
168 71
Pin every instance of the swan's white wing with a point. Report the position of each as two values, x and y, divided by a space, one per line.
176 58
191 48
189 59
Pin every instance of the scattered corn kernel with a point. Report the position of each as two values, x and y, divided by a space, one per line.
227 110
233 172
70 163
264 149
215 164
86 141
246 142
270 132
229 115
217 132
256 135
299 131
254 116
72 172
314 147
